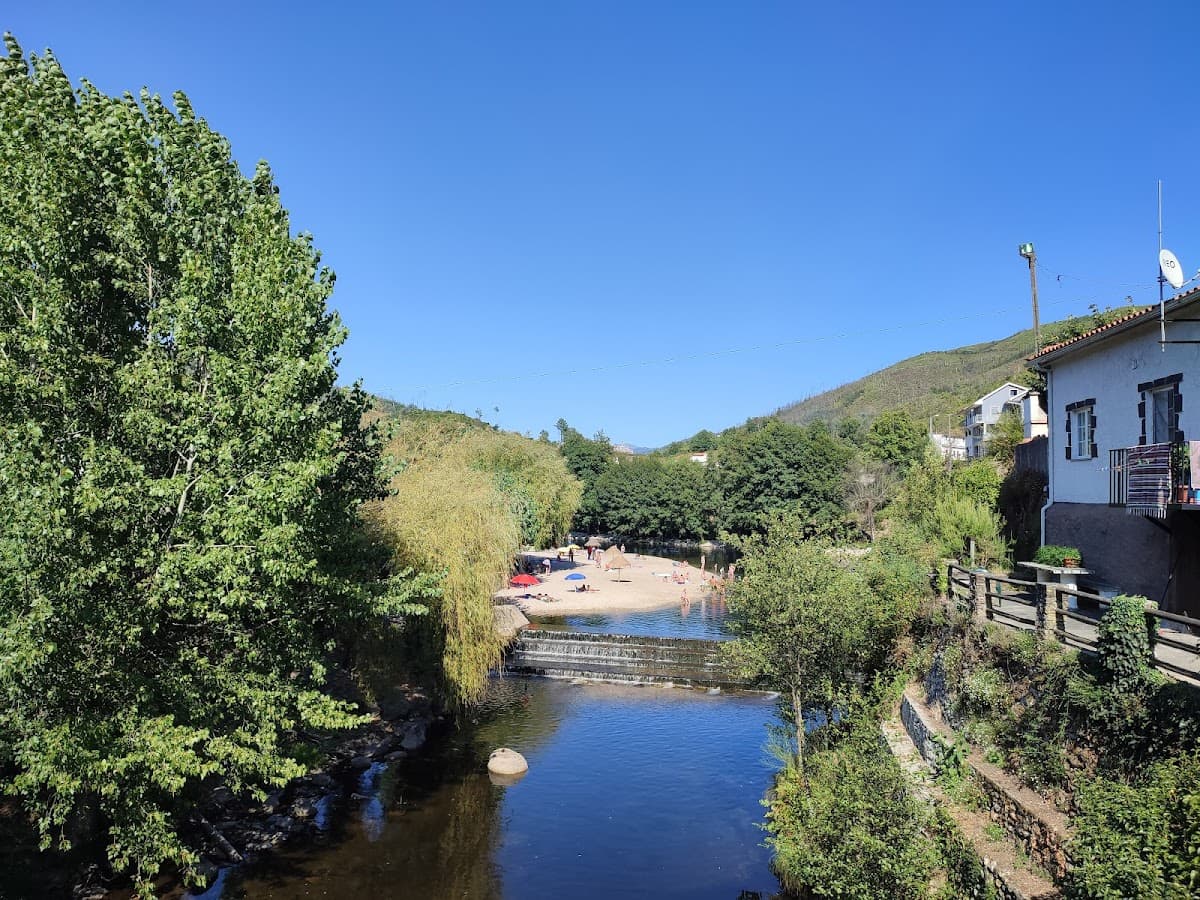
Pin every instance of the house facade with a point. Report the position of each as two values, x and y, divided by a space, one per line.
1122 407
981 416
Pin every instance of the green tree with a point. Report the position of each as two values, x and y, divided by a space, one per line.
776 467
587 459
896 437
181 477
805 621
1004 437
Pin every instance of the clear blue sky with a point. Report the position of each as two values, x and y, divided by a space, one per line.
651 218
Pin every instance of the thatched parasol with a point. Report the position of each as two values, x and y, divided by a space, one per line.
594 541
615 559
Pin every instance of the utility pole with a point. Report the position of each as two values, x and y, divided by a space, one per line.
1027 251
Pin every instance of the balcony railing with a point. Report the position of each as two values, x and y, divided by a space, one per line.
1144 479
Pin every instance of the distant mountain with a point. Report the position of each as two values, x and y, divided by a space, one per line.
630 449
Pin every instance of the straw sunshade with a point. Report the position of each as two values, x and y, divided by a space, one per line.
615 559
594 542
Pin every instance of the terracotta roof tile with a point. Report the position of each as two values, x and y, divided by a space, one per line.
1079 337
1178 300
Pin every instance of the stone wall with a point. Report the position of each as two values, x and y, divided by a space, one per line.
1041 830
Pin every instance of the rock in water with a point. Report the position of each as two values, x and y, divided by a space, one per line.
507 762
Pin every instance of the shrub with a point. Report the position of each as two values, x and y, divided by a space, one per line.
850 828
1124 642
1140 839
1055 555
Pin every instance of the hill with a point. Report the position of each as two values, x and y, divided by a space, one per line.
941 382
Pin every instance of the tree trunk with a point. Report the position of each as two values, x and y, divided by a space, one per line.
798 712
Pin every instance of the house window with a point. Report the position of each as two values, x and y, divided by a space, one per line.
1081 429
1159 409
1082 438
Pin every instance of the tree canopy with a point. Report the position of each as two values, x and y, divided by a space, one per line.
180 475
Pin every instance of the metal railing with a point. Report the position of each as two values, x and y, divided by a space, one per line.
1166 472
1046 608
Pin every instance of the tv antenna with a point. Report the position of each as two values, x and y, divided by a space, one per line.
1169 272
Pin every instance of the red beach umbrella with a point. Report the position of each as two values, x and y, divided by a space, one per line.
524 580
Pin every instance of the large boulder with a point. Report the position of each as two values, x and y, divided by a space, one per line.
507 762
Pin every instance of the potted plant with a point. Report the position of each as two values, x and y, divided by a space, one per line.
1062 557
1181 468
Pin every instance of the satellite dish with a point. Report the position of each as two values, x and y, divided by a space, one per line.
1171 270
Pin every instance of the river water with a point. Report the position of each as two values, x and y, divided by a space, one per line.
631 792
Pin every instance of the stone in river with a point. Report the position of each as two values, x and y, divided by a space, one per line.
414 736
507 762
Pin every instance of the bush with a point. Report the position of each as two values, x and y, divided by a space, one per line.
847 826
1140 839
1124 642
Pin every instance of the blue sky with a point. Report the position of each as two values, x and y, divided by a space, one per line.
650 218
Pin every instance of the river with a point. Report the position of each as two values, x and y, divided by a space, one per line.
632 791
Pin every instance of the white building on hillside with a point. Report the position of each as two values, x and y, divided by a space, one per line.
982 415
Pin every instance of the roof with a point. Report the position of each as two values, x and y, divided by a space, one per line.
1008 384
1135 318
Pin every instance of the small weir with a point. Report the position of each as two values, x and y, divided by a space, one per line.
620 657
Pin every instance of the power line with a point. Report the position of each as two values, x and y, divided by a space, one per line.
716 354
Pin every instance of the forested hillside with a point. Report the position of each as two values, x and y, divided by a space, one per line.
939 382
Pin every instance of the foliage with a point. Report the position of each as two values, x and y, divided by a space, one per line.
776 468
846 826
587 460
898 439
452 511
648 496
1008 431
806 621
979 480
1123 642
1139 838
1055 555
180 476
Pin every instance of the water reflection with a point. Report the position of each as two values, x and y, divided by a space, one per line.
631 792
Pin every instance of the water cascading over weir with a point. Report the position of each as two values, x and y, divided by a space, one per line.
620 657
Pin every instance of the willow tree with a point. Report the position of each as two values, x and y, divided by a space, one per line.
180 477
463 502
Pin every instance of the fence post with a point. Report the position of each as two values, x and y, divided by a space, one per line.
1055 600
1039 615
979 589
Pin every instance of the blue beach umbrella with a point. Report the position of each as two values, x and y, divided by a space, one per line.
575 576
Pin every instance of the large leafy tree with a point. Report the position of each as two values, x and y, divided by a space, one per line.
179 474
779 467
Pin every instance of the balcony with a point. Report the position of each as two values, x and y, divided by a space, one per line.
1147 480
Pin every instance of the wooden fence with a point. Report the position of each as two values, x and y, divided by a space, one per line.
1047 610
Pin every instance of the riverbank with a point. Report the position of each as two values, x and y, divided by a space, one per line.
651 582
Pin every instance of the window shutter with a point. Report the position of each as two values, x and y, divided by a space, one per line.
1142 410
1178 401
1094 453
1068 449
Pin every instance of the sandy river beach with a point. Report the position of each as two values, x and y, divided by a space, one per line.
649 583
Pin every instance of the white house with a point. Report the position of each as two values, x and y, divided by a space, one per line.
981 416
948 446
1033 415
700 457
1121 406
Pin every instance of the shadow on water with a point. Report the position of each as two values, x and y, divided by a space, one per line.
631 792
